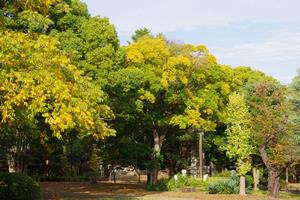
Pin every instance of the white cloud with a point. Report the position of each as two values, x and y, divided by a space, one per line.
279 47
171 15
277 55
276 52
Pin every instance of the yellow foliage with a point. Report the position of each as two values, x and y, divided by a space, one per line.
41 79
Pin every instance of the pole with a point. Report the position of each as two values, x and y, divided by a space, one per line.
201 133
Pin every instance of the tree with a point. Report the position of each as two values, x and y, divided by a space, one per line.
167 86
239 136
37 78
294 98
272 131
31 16
139 33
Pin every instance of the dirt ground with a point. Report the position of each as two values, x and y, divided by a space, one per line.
125 191
128 188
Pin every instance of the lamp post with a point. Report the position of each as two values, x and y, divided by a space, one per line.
201 133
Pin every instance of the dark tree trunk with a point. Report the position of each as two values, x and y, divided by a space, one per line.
273 182
172 168
158 140
273 174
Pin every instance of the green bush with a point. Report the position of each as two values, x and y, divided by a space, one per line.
185 181
15 186
230 186
54 178
223 174
213 188
160 186
181 182
83 177
249 182
87 175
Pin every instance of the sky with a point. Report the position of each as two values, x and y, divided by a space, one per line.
262 34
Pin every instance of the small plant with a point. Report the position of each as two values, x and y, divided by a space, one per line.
224 174
213 188
178 183
15 186
160 186
185 181
230 186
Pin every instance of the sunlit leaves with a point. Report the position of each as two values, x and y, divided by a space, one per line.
37 76
238 132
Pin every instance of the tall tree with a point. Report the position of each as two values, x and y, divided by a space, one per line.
238 132
139 33
272 131
38 81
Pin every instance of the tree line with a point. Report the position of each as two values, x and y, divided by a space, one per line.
71 97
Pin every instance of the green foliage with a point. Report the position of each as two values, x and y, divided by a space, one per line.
85 176
238 132
91 43
31 16
40 80
294 98
223 174
181 182
185 181
249 182
18 187
230 186
273 131
161 185
139 33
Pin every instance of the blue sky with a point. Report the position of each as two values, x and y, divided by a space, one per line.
262 34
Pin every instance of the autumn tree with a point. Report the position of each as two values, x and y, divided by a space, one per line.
166 86
272 131
40 82
238 132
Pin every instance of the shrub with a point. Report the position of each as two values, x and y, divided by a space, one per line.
160 186
15 186
249 182
213 188
54 178
230 186
181 182
87 175
185 181
224 174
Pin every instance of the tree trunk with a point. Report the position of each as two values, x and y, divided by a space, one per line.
11 164
158 140
213 169
171 167
273 173
114 174
139 176
201 133
273 182
255 173
110 173
287 175
242 185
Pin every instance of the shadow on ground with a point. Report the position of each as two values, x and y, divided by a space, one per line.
85 190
